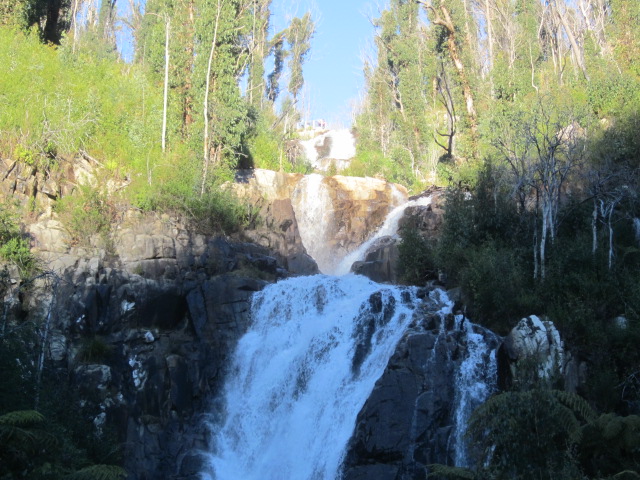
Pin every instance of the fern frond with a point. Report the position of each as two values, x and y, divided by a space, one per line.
99 472
453 473
22 418
570 424
576 403
612 426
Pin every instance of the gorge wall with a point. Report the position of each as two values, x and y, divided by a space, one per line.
144 326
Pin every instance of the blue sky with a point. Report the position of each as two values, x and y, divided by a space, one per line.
333 70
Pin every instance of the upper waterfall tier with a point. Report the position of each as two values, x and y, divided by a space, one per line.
330 216
335 147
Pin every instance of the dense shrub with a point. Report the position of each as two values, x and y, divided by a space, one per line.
85 214
14 246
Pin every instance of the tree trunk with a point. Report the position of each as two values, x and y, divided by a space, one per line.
594 228
467 92
166 84
51 32
489 27
543 240
206 146
579 54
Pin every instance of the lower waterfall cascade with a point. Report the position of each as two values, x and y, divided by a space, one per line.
314 352
302 373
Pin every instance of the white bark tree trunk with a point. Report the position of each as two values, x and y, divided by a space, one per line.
166 84
206 146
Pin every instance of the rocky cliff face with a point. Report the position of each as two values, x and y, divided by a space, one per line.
442 368
163 310
142 325
380 261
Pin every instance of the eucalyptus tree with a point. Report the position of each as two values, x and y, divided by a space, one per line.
395 115
298 36
440 15
257 43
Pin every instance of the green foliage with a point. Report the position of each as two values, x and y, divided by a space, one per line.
544 433
85 214
453 473
22 435
17 250
217 210
55 441
416 263
74 102
14 247
610 446
99 472
266 150
526 435
299 36
94 350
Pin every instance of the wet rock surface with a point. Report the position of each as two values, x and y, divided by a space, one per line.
409 420
326 217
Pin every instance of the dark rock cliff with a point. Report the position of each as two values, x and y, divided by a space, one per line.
166 320
410 419
140 324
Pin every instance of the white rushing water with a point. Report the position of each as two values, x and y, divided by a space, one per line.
302 373
475 381
342 148
311 201
389 228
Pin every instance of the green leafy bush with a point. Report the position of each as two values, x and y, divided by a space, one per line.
94 350
84 214
14 247
416 263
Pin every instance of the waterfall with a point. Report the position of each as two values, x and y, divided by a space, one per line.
475 381
335 145
302 373
312 203
318 222
389 228
316 347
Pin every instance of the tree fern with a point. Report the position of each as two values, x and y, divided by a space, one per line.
22 418
22 432
576 403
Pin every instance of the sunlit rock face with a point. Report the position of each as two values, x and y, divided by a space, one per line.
532 350
337 214
324 217
274 224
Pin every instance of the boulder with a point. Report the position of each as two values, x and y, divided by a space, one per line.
381 261
425 219
533 350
